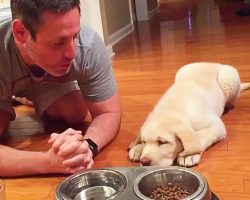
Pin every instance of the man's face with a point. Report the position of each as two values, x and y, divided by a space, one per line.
54 48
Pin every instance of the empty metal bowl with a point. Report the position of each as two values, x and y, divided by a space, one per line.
185 178
92 185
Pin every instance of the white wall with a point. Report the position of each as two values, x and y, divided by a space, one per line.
4 10
91 15
4 1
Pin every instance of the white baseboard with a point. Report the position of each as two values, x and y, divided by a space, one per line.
120 34
134 17
152 12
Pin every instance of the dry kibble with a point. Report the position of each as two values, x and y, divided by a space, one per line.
169 192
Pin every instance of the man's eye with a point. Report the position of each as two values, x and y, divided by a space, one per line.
57 44
76 36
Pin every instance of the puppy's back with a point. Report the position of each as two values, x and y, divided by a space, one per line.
202 72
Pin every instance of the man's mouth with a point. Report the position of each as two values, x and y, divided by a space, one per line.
66 65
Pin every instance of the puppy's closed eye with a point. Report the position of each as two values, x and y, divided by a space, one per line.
162 142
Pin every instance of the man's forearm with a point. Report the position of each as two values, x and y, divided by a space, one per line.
18 163
104 129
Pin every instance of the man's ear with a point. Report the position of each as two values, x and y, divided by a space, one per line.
21 34
190 141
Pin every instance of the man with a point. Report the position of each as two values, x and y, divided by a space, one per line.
65 70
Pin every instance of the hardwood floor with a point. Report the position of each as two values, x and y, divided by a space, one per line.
184 32
145 63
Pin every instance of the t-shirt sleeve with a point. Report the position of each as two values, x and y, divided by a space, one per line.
98 81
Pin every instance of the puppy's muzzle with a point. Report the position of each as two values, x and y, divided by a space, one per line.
145 162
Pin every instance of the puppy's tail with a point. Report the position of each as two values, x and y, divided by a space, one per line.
244 86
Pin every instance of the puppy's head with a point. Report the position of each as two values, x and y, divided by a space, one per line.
161 145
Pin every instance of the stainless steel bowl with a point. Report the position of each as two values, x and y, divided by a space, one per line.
92 185
186 178
131 183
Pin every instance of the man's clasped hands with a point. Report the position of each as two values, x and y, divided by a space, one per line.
69 152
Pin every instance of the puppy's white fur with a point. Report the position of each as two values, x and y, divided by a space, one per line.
186 120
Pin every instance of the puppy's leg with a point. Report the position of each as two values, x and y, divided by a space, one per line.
229 81
188 137
135 149
135 152
214 132
135 142
189 161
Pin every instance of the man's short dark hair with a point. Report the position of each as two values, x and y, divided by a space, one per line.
31 11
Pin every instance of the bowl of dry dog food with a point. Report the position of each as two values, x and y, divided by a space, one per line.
172 183
135 183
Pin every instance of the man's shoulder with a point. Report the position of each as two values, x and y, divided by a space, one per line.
88 37
87 29
5 30
5 40
5 24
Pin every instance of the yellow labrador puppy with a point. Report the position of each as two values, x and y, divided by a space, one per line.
186 120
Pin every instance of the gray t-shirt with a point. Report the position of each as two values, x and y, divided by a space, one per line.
91 70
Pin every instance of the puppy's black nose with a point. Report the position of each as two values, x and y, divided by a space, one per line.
145 162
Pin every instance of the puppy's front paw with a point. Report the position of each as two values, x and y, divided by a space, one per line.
189 161
135 152
132 144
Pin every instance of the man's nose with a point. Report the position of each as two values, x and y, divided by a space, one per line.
70 50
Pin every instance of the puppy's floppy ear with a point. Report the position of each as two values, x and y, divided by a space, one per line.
136 141
189 140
